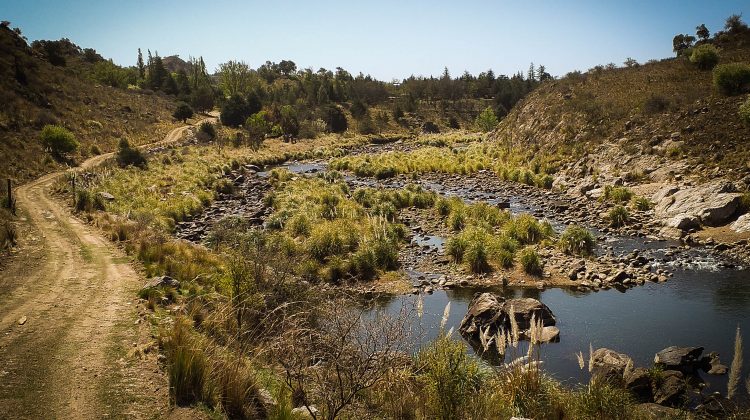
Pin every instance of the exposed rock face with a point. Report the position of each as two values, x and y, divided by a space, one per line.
639 383
712 204
742 224
489 310
679 358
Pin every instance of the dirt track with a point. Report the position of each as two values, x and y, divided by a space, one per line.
78 353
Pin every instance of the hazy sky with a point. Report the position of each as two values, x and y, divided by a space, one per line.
388 39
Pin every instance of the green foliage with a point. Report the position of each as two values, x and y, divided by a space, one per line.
732 78
202 99
58 140
289 122
744 112
127 155
207 130
358 109
642 203
258 127
530 261
705 56
618 216
235 111
601 400
486 121
88 201
110 74
183 112
335 119
449 377
616 194
577 240
527 230
187 365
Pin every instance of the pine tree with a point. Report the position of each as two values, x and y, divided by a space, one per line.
141 66
531 75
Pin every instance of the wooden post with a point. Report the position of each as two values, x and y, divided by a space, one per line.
73 181
10 195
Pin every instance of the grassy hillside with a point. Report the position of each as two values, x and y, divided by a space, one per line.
641 107
34 92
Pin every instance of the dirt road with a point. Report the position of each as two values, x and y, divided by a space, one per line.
70 341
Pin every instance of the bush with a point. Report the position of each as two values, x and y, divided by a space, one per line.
207 131
127 156
618 216
617 194
58 140
449 376
183 112
530 261
486 121
187 365
577 240
732 79
655 104
745 112
642 203
705 56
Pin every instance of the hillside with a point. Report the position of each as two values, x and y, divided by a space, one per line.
652 126
34 92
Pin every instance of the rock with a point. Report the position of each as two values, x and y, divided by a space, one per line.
656 411
639 383
670 389
488 310
619 277
304 412
609 364
678 358
106 196
713 203
742 224
22 320
712 365
684 222
162 281
266 399
549 334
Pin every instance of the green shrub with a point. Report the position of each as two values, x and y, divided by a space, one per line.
207 131
601 400
58 140
183 112
618 216
642 203
705 56
745 112
455 247
127 156
527 230
95 150
449 376
617 194
88 201
577 240
486 121
732 79
530 261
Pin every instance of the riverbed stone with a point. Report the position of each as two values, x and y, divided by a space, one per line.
742 224
488 310
638 382
670 389
609 365
678 358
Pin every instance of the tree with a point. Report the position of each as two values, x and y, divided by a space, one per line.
141 67
682 42
108 73
631 62
702 32
234 112
254 103
169 86
335 119
202 99
735 24
287 67
58 140
234 78
183 112
289 122
183 84
258 126
486 121
358 109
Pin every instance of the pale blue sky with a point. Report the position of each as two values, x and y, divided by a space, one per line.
388 39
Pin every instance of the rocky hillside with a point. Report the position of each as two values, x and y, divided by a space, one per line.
35 92
660 128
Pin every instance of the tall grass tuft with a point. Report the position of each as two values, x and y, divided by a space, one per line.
187 365
735 370
577 240
618 216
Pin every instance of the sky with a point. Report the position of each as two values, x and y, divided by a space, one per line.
386 39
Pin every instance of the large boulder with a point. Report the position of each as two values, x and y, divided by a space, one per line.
488 310
609 365
742 224
670 388
638 382
679 358
161 281
712 203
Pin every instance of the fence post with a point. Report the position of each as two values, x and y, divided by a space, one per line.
74 190
10 195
